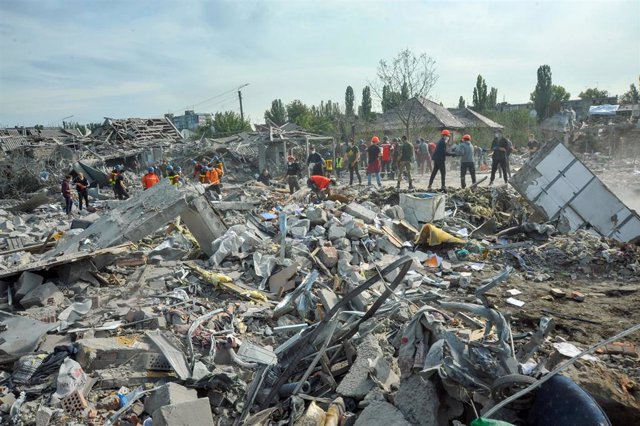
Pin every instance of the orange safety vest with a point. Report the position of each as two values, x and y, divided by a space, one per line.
214 176
204 176
149 180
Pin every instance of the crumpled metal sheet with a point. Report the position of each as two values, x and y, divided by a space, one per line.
14 340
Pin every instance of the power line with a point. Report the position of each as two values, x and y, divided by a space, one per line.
211 98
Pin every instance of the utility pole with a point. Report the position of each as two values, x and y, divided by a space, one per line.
240 99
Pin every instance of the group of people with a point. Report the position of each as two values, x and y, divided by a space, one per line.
82 188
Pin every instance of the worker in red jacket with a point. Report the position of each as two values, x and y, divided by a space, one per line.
150 179
386 157
320 185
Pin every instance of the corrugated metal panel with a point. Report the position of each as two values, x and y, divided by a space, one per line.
10 143
559 185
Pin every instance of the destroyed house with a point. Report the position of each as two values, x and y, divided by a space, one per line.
136 130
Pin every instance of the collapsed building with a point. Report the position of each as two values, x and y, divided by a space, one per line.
371 307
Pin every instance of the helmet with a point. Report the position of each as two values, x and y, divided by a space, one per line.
361 141
178 169
445 132
216 158
386 138
150 169
375 139
169 167
466 138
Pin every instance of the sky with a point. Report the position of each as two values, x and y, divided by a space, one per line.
144 58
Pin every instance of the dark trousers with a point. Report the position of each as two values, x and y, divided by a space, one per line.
438 166
354 169
463 172
121 193
293 184
68 204
215 188
502 163
83 195
317 169
386 168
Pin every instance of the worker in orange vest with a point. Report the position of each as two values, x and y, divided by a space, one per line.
213 175
150 179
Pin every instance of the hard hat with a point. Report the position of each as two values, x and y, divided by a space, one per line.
178 169
375 139
445 132
386 138
150 169
169 167
361 141
466 138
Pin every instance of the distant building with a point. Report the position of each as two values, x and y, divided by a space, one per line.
190 120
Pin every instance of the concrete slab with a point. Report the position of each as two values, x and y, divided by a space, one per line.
190 413
27 282
204 223
417 399
360 212
169 394
43 295
381 414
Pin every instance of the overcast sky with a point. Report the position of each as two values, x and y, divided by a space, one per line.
123 58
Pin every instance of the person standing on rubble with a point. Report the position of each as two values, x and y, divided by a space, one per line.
175 176
150 179
213 176
499 146
352 157
373 166
66 193
293 172
424 157
119 186
197 167
339 157
164 168
363 153
466 151
439 156
533 145
385 147
315 162
405 159
82 186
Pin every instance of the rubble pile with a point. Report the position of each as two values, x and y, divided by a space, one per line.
175 307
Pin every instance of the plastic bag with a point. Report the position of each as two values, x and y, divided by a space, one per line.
71 377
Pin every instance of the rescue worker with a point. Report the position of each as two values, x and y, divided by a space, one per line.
174 175
82 186
363 153
164 168
352 156
197 167
424 157
315 162
293 171
467 163
320 185
66 194
112 179
219 164
373 161
439 156
405 159
339 156
203 176
213 175
119 187
150 179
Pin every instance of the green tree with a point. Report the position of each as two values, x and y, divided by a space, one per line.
541 96
593 93
558 95
277 113
462 104
408 75
386 98
366 103
480 95
206 130
632 96
349 101
298 113
229 122
492 100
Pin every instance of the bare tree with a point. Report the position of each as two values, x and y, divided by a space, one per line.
412 76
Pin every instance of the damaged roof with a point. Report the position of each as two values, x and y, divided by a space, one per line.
137 130
472 119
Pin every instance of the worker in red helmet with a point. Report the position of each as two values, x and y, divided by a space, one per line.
373 166
466 152
439 157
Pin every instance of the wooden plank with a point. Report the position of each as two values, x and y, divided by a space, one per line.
392 237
